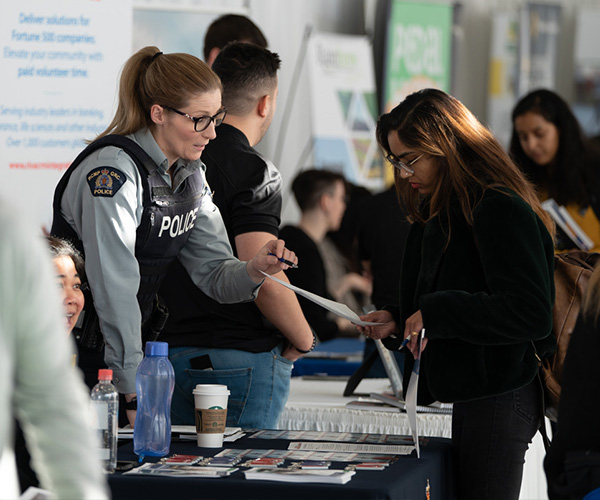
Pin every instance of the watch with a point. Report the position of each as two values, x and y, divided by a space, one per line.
131 405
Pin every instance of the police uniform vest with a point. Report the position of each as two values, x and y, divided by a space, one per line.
165 227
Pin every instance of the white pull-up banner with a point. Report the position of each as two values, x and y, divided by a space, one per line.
343 104
60 64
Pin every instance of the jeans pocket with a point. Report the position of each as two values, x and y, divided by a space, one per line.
525 403
285 363
237 381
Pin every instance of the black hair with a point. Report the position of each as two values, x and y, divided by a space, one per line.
308 186
572 178
229 28
247 72
60 247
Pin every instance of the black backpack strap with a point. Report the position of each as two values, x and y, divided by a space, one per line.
539 376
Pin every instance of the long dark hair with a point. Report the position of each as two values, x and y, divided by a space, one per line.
469 157
60 247
571 178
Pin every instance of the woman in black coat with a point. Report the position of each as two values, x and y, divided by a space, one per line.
477 275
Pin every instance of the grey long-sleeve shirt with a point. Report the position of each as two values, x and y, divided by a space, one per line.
38 383
107 226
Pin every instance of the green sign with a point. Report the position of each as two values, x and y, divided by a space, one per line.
419 44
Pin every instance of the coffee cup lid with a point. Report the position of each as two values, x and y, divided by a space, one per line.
210 389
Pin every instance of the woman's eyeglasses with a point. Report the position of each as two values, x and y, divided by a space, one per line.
201 123
400 165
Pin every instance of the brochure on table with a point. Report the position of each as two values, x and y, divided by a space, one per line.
294 475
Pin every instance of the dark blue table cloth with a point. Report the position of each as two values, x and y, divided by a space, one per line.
405 479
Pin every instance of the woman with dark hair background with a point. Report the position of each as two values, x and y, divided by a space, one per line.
550 147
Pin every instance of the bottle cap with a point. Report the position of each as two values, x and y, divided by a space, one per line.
157 349
105 374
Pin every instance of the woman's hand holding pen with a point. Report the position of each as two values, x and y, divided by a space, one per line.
378 331
412 329
271 259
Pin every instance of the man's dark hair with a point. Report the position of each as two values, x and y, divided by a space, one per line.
247 72
308 186
230 28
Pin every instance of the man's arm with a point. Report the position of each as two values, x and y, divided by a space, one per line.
277 303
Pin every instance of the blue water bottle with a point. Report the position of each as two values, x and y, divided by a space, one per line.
154 383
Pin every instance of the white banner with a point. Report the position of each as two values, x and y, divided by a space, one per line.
523 57
502 82
344 111
60 64
538 45
587 70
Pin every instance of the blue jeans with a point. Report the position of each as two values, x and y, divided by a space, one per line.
259 384
489 438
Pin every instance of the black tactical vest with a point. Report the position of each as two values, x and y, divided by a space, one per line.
166 222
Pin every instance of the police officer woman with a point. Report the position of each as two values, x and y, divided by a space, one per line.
136 198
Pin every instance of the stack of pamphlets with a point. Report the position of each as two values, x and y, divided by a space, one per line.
175 470
295 475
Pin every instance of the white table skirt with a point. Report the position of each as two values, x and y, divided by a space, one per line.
373 422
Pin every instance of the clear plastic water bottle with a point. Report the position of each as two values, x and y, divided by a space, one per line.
154 383
105 411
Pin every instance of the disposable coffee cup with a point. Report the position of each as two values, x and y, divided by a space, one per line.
211 414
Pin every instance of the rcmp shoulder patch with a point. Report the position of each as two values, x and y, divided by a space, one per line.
105 181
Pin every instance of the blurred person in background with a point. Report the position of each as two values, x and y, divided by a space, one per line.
321 197
550 147
38 384
230 28
573 462
70 275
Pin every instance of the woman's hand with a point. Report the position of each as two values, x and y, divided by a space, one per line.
412 329
291 354
270 264
378 331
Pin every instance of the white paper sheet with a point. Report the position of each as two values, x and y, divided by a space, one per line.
411 396
331 305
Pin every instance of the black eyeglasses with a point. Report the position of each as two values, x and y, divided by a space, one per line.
400 165
201 123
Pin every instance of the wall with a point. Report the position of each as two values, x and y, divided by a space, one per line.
291 122
284 24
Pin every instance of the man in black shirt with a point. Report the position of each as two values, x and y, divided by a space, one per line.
249 347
